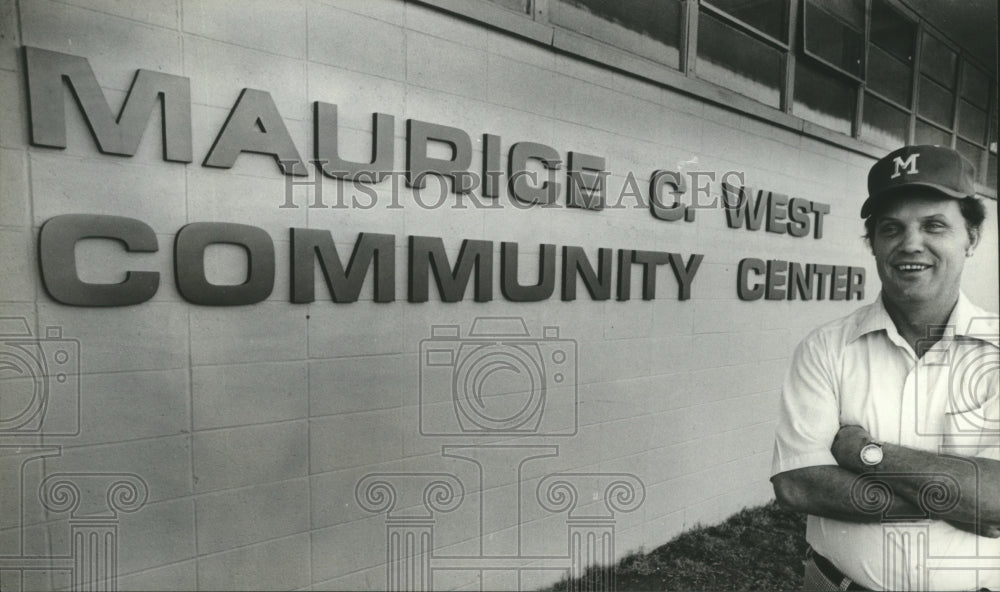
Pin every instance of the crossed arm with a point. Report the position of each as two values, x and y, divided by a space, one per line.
827 490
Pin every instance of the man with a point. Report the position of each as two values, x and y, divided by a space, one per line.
889 428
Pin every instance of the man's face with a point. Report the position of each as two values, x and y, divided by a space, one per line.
920 245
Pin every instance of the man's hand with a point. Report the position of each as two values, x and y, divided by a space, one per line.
990 531
847 445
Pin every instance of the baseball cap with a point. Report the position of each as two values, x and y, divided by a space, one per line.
934 167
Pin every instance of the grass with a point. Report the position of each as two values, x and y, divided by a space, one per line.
756 549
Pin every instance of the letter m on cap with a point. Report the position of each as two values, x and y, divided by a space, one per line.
909 165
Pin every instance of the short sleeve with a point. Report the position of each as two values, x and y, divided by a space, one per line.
809 414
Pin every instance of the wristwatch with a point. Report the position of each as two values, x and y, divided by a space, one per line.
871 454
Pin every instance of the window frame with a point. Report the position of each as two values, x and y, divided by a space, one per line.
682 77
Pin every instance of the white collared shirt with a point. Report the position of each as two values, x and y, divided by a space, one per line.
858 370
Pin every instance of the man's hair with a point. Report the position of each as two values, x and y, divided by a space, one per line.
972 210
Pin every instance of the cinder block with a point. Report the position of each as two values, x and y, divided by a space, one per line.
260 333
473 116
219 71
225 396
9 36
366 383
335 495
164 464
341 330
279 564
259 24
239 517
348 548
601 362
152 12
152 536
627 320
235 457
356 439
177 576
357 95
151 336
390 11
13 123
115 46
14 191
106 185
158 534
435 213
122 406
348 40
23 472
371 578
508 46
440 24
17 265
429 60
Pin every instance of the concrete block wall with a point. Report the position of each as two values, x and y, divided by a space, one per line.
252 427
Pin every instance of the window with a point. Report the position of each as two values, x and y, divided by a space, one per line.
767 16
938 61
931 134
936 102
831 64
870 70
972 105
824 98
888 77
884 124
648 28
515 5
892 31
835 34
730 57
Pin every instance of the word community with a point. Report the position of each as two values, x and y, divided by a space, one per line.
255 126
607 274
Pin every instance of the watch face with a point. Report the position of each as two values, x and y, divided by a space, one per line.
871 454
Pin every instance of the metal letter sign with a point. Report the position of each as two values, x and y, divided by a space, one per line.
56 256
46 71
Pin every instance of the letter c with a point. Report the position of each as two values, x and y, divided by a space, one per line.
57 259
743 288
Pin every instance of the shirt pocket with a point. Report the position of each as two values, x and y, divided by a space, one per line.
974 432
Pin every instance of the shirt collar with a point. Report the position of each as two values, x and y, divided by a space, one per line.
966 320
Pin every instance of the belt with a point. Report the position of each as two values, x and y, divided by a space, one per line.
831 572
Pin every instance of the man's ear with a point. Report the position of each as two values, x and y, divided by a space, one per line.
975 234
